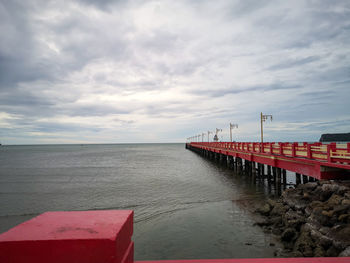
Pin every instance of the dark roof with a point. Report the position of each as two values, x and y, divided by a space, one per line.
335 137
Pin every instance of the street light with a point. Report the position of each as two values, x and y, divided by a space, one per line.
209 132
263 118
216 138
232 125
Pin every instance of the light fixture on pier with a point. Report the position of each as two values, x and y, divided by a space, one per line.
203 136
263 118
209 132
232 125
216 138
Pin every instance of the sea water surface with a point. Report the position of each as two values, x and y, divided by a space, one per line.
186 206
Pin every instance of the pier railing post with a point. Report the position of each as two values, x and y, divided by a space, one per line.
309 154
294 144
297 178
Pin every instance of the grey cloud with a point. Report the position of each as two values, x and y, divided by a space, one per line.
294 63
103 4
92 110
36 81
234 90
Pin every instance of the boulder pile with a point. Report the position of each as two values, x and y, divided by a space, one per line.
312 220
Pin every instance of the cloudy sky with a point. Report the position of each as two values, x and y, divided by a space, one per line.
161 71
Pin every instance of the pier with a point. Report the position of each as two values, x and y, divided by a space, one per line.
309 161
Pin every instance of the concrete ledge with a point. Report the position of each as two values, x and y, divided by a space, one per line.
256 260
81 236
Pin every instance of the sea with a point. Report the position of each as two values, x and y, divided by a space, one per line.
186 206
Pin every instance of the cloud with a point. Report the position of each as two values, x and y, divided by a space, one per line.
135 71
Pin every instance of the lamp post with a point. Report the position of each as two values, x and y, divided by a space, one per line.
216 138
232 125
209 132
263 118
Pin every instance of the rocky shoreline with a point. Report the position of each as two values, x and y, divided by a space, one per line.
311 220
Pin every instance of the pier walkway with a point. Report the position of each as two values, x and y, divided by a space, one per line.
316 160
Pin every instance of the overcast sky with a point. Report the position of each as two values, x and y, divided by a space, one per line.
161 71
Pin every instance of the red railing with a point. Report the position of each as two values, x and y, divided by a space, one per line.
331 153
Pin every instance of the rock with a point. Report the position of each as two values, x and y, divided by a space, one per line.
262 222
341 208
308 211
341 233
312 220
308 227
315 235
309 186
334 200
265 209
344 218
276 231
332 252
319 252
347 195
318 216
314 204
304 244
276 221
322 182
297 254
278 252
342 190
288 234
327 191
324 230
306 196
325 242
327 213
345 202
278 209
345 252
271 202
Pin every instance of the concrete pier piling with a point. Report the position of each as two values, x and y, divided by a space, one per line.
245 159
297 178
305 179
284 176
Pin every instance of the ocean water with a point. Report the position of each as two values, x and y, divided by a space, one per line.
186 206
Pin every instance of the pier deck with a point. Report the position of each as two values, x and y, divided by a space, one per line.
317 160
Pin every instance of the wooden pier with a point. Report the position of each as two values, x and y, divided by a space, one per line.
309 161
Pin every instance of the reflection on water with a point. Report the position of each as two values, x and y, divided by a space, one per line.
185 205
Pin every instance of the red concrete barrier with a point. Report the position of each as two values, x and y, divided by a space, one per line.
257 260
65 237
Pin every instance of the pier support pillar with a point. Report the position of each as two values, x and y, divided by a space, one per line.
311 179
284 175
253 168
305 179
274 173
297 178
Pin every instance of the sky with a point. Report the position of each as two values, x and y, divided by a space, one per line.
162 71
